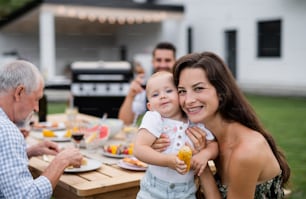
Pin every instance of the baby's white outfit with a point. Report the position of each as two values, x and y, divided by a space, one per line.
163 179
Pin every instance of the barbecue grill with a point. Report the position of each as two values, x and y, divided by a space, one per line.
100 87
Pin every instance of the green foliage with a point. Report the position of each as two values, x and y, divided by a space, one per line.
56 107
8 6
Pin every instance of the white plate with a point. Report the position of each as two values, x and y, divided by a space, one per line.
48 125
124 165
60 139
90 166
107 154
59 136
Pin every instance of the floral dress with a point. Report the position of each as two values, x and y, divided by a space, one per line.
271 189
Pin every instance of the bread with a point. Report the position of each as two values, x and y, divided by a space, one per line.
84 162
185 154
135 162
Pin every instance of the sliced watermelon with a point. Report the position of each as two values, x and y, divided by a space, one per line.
104 132
94 128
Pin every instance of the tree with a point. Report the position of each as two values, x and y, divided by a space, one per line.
9 6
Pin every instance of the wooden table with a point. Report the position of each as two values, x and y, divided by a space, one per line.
108 182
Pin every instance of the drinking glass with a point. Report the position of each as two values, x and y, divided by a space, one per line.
77 137
139 106
71 114
78 132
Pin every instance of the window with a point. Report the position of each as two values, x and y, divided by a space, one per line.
269 38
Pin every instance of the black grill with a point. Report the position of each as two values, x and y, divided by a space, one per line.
100 87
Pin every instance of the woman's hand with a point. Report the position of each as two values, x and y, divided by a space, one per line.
198 138
161 143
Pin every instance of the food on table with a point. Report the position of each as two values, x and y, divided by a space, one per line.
103 131
91 138
115 125
120 149
185 154
48 133
96 133
68 134
45 125
135 162
84 163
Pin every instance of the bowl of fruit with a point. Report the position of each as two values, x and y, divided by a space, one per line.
115 125
96 136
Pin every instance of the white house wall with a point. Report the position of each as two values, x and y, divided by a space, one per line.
141 39
72 46
209 20
284 75
78 47
25 44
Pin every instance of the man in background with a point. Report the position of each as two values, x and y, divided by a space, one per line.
134 104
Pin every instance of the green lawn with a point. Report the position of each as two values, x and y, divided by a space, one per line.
285 118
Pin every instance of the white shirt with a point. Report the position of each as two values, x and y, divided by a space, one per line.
155 124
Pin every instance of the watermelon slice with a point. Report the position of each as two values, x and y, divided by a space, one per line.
94 128
104 132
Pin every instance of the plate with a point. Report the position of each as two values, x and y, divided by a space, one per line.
110 155
90 166
124 165
60 139
59 136
48 125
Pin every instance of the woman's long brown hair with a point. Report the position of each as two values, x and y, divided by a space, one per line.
233 105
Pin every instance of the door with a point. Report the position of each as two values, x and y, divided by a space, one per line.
231 50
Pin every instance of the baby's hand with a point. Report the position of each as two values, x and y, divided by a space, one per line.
180 166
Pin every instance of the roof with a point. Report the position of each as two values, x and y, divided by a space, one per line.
30 11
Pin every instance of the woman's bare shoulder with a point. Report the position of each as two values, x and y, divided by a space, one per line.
251 149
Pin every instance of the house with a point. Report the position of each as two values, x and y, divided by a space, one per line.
262 41
55 33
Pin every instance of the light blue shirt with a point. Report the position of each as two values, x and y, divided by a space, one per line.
16 180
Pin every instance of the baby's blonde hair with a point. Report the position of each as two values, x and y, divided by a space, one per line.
167 74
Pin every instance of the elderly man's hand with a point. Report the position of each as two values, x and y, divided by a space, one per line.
43 148
72 156
24 132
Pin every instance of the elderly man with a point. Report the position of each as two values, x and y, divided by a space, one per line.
21 87
135 101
